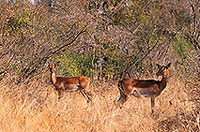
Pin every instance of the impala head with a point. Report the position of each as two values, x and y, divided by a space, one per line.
162 69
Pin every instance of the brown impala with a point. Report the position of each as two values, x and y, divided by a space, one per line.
146 88
65 84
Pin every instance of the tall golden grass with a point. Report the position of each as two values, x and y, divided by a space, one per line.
35 108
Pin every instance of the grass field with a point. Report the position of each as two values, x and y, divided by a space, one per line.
35 108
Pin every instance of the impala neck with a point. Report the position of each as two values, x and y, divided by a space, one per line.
163 82
53 77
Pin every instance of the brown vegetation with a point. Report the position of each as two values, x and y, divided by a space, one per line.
35 107
106 41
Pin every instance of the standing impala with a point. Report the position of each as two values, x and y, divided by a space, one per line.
65 84
146 88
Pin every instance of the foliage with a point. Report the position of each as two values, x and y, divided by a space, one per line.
74 65
97 38
100 39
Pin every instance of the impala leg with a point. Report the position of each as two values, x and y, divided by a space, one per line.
86 91
87 87
152 103
124 99
85 96
60 94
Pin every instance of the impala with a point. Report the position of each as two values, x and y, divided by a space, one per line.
65 84
146 88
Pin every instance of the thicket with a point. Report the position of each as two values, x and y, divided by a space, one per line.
101 39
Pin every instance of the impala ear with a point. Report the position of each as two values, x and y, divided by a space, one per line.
168 65
159 66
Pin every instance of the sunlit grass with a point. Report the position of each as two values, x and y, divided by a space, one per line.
35 108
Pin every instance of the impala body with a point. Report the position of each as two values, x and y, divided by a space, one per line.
65 84
146 88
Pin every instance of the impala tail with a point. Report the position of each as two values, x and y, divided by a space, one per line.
119 84
120 87
121 90
123 97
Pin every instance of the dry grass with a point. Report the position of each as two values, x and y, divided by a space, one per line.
35 108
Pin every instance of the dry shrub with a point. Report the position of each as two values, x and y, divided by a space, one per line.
35 107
